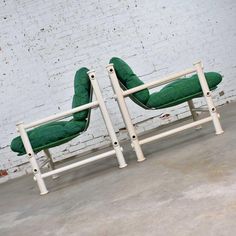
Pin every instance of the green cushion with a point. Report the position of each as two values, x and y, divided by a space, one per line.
181 91
130 80
82 87
57 133
51 133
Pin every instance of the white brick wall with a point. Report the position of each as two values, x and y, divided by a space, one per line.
43 43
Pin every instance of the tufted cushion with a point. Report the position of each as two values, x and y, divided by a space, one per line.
82 92
182 90
130 80
172 94
56 133
49 135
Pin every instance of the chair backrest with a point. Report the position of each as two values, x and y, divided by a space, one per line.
128 79
83 94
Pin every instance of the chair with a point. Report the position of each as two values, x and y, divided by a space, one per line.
50 132
126 83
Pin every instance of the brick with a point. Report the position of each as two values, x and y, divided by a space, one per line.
41 50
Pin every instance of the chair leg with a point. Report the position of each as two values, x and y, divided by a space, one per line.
51 163
107 120
193 113
208 98
32 159
125 113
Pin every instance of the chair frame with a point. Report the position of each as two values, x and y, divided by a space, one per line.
99 102
120 96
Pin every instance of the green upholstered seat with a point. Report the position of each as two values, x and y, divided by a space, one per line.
182 90
172 94
49 135
57 133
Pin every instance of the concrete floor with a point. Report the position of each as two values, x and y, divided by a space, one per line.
187 186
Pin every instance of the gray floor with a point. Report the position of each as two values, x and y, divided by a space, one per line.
187 186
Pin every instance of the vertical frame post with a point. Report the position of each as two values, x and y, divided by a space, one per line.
32 159
193 113
51 163
125 113
107 119
191 107
208 98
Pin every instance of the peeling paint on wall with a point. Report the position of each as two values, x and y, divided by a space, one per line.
3 173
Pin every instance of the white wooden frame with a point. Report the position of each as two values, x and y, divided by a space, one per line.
99 102
121 94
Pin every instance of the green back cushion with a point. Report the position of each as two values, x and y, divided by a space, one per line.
82 94
182 90
130 80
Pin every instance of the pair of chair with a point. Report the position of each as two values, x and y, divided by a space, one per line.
50 132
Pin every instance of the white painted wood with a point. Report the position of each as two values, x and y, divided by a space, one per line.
120 97
32 156
125 113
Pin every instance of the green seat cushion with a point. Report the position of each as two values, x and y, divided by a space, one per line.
181 91
82 87
49 135
129 80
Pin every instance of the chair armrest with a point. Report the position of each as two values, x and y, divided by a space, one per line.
159 82
59 116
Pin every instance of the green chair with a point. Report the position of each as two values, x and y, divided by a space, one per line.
177 91
50 132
